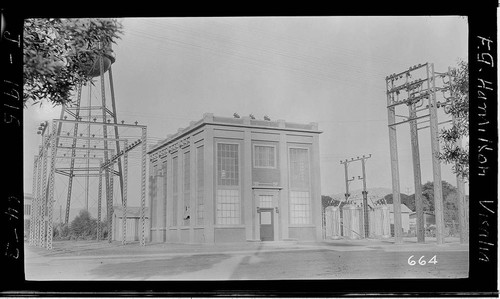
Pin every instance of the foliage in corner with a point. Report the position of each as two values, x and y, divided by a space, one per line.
57 53
451 152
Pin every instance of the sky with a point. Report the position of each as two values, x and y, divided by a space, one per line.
329 70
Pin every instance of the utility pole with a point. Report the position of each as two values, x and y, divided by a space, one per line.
436 166
347 194
419 95
417 174
365 196
364 192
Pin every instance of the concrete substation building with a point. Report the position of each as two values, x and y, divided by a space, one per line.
225 179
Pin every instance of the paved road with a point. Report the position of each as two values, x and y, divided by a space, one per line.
256 261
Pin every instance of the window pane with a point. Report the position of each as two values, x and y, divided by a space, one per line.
227 165
299 207
299 168
228 207
264 156
265 201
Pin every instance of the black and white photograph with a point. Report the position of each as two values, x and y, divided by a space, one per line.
248 148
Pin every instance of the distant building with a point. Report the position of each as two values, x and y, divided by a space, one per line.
236 179
133 223
28 200
405 217
429 219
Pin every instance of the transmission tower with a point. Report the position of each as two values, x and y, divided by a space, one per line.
418 88
85 143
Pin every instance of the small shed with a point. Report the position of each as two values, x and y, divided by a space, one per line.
133 223
429 219
405 217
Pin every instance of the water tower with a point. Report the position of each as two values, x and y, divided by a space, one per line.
85 147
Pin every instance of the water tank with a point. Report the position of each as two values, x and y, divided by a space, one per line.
93 68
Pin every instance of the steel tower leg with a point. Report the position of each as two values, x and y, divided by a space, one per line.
50 200
33 202
110 208
99 199
108 178
113 106
73 152
43 226
38 199
124 198
143 186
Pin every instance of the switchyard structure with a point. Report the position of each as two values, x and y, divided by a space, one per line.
427 94
82 148
365 220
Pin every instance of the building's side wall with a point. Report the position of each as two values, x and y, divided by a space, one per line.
230 234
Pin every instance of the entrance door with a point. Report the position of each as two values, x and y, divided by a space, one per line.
266 224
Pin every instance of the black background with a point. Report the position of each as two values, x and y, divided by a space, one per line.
482 279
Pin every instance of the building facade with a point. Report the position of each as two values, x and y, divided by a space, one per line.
234 180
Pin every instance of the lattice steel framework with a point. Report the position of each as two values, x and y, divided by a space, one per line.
69 145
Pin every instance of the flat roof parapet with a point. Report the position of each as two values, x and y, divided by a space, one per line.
245 121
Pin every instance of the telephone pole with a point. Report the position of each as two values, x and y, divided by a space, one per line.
365 196
347 194
416 87
417 174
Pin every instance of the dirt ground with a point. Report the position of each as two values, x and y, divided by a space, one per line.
90 260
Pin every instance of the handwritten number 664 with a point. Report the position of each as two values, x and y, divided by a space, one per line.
421 261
